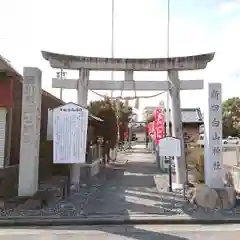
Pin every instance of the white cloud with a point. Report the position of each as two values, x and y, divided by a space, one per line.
83 27
228 7
225 68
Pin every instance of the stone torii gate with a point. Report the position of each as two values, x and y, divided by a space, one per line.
172 65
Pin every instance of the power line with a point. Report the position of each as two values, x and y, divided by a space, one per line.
112 55
168 49
112 38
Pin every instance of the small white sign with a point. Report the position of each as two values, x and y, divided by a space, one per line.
169 147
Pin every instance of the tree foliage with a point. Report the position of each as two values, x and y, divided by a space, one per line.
107 110
231 117
123 113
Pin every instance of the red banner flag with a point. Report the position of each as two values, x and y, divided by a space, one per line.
159 123
126 134
150 130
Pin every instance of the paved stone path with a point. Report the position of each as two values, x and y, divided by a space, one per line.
131 190
132 186
135 186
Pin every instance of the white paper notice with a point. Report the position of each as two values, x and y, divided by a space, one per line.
70 124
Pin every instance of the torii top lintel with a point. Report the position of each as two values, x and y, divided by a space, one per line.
64 61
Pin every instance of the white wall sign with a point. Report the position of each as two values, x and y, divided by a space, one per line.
70 124
169 147
213 165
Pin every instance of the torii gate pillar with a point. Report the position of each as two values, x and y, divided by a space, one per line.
177 130
82 96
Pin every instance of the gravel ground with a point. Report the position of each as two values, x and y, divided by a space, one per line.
135 187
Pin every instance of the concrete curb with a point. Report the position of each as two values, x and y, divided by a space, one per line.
25 221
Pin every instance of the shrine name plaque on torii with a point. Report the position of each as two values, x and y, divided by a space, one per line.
172 65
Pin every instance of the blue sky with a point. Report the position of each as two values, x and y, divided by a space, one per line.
83 27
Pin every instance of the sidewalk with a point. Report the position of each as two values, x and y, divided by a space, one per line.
124 191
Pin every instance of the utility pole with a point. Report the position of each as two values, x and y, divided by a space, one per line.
112 40
168 46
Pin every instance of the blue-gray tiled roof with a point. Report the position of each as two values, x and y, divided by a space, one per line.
189 115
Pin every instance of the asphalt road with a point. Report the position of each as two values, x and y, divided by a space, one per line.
168 232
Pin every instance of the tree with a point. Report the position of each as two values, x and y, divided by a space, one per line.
113 119
231 117
123 113
104 110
